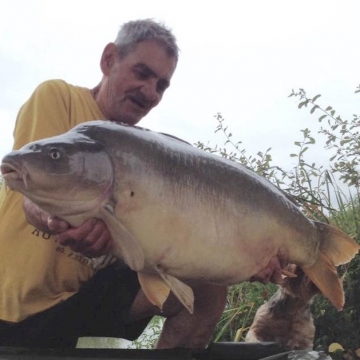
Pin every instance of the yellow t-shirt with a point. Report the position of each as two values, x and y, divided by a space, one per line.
36 273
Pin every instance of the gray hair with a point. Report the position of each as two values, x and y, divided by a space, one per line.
134 32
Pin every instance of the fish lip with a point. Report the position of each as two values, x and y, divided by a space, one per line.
9 170
13 173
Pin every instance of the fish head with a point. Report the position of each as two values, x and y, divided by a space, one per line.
64 175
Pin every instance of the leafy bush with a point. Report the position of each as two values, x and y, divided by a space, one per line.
319 192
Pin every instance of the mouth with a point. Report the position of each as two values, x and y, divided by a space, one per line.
12 174
141 103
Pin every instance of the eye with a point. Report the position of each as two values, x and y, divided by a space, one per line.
55 153
140 74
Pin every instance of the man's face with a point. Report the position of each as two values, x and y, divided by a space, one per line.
135 83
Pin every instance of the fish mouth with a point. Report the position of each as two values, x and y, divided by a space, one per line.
13 174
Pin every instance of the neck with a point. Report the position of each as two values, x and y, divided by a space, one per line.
95 94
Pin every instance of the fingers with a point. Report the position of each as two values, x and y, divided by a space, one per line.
272 272
91 239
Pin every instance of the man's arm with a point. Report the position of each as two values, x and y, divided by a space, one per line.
182 329
195 330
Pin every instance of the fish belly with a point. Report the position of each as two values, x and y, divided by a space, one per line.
198 244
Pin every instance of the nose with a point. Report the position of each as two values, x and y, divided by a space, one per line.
149 89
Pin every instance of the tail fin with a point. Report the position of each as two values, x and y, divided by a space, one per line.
336 248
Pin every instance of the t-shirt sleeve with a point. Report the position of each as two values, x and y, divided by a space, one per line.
45 114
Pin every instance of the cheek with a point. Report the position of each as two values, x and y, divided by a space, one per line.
115 89
126 83
158 100
121 82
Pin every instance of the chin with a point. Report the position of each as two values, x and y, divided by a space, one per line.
131 118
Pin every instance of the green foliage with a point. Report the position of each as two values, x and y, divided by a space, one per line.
342 137
242 302
340 326
260 163
148 338
320 195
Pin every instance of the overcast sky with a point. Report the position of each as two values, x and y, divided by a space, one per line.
240 58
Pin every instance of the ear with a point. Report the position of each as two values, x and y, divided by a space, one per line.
108 58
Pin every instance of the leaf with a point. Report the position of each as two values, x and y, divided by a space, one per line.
322 117
311 140
304 149
303 103
316 97
335 347
313 109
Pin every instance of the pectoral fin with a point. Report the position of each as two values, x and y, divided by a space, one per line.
126 245
183 292
155 288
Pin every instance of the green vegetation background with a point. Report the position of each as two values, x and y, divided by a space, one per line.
326 193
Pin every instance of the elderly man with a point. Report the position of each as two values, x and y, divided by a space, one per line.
59 283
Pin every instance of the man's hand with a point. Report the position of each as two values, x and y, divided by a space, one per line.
91 239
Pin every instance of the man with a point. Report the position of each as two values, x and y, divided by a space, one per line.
58 283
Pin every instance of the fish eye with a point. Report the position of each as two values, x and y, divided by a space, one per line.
55 153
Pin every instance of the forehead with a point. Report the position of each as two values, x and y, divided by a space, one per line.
154 56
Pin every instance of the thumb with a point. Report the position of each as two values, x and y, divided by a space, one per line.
57 225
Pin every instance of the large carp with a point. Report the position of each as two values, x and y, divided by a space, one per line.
177 214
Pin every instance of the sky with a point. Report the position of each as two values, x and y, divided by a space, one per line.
238 58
